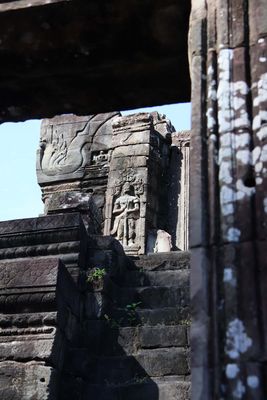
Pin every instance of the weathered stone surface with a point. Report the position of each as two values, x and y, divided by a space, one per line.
61 234
26 273
95 330
114 162
28 284
69 143
44 60
40 313
163 261
169 278
228 177
139 162
161 336
166 315
28 381
160 389
77 201
162 362
110 162
178 190
73 163
155 297
28 349
227 180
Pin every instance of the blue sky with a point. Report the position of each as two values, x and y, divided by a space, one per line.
20 196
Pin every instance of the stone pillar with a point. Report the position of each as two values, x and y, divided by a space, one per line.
227 43
135 192
179 190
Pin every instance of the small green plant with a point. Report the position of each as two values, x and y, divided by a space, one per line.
131 312
111 322
186 322
96 275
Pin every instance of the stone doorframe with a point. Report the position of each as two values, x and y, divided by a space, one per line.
228 229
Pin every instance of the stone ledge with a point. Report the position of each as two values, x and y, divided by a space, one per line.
91 61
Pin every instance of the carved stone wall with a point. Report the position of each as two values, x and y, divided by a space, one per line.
119 169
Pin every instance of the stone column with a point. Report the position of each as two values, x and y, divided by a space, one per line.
227 43
179 190
135 192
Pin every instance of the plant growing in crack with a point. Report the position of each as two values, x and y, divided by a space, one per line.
96 274
113 323
186 322
131 312
95 278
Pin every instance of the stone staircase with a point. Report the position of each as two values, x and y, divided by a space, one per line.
137 347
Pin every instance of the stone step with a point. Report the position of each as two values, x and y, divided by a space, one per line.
163 261
109 340
178 278
152 362
171 388
152 297
159 316
121 369
150 337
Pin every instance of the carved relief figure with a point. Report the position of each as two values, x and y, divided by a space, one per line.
60 153
126 211
101 157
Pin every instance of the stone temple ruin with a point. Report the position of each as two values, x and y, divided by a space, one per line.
94 302
127 176
71 56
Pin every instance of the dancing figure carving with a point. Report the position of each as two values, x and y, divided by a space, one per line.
127 212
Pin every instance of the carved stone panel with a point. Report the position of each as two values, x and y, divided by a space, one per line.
66 143
64 146
74 156
127 204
